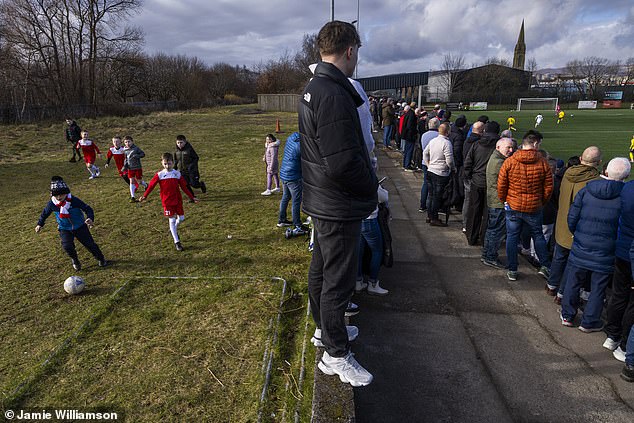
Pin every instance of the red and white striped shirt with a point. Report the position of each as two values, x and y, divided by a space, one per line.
118 154
169 182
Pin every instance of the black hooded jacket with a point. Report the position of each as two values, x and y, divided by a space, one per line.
186 160
339 183
457 137
475 165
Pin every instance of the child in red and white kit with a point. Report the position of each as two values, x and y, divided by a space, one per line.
170 180
116 152
90 150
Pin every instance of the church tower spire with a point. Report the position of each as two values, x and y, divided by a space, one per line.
519 56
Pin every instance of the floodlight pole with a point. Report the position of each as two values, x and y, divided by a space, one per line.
332 10
356 69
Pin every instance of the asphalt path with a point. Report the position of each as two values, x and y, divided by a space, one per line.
455 341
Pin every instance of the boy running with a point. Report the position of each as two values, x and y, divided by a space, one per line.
132 165
117 152
169 180
90 149
73 219
186 160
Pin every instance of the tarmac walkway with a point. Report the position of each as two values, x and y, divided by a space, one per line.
455 341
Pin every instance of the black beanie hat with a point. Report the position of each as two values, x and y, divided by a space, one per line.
461 121
58 186
492 127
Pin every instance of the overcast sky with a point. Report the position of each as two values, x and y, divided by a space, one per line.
397 35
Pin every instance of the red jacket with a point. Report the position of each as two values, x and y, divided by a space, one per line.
525 181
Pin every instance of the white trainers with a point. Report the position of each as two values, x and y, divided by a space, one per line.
275 190
91 177
267 192
360 285
98 172
374 288
610 344
353 332
347 368
619 354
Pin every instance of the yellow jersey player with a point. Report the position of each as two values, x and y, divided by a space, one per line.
511 122
560 116
632 149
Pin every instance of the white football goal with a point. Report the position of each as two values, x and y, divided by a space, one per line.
537 103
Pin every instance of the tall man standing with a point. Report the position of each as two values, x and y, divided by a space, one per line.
340 190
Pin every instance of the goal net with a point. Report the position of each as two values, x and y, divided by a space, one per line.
537 103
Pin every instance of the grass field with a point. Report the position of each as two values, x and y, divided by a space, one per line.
175 349
157 349
610 129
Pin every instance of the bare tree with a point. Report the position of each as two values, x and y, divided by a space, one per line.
53 40
497 61
450 77
308 55
629 71
591 73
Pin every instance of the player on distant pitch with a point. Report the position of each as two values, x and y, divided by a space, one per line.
560 116
538 120
511 122
632 149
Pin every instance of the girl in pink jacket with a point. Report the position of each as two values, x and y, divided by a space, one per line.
272 164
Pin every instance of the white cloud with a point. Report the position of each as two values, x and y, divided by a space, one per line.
397 35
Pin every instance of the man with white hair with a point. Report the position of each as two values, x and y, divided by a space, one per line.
593 220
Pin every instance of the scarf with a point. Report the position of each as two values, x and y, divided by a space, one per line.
64 206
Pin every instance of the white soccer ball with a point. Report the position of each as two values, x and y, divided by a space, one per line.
74 285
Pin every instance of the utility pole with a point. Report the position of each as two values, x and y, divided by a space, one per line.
332 10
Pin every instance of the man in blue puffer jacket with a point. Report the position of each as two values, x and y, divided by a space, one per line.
620 312
71 221
593 220
291 176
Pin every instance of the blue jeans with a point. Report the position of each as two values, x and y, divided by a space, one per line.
437 185
424 190
629 353
576 276
291 190
371 236
387 134
557 277
515 220
407 155
494 234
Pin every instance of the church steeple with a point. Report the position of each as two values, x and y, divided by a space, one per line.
519 56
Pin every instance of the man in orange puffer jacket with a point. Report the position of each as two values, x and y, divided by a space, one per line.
525 183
